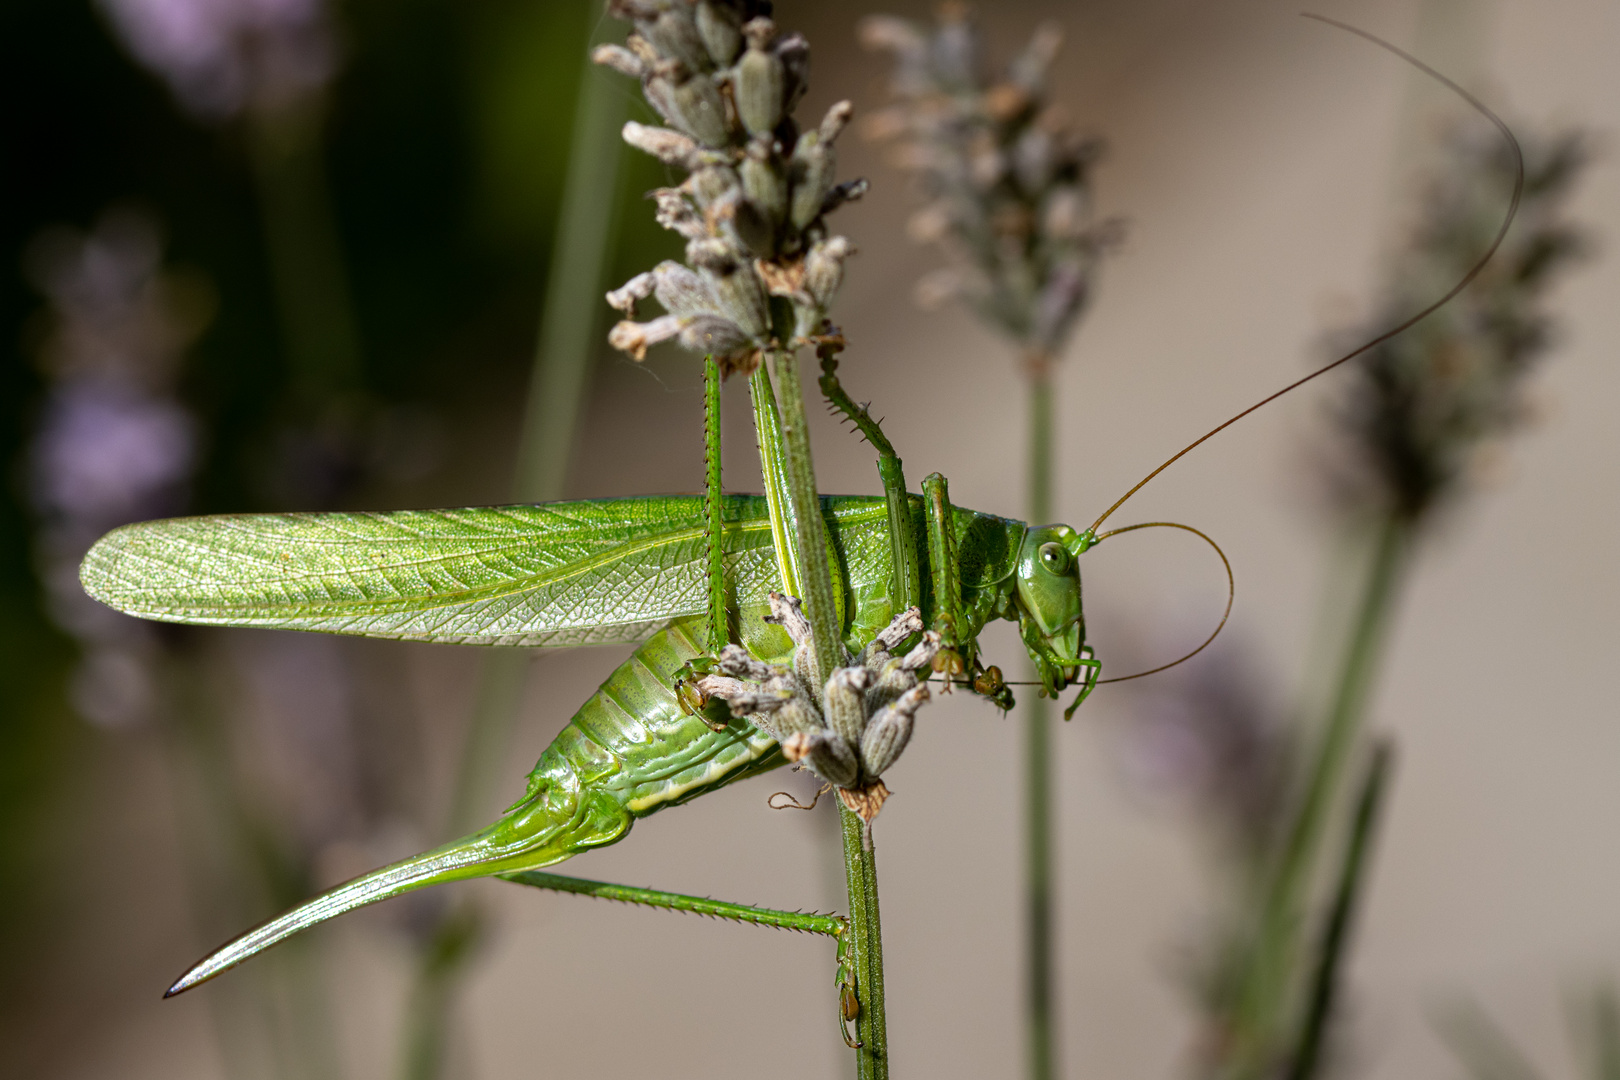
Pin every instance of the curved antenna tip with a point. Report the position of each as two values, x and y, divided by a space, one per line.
1462 283
1231 593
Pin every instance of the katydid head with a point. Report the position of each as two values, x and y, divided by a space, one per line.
1050 615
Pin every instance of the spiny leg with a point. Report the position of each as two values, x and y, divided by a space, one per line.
693 700
902 530
955 659
833 926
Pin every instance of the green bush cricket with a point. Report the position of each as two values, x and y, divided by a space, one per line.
678 575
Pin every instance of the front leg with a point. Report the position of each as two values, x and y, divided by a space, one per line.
1053 673
956 657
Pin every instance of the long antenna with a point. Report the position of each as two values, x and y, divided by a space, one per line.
1501 234
1231 593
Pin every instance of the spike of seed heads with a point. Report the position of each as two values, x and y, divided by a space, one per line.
855 724
1005 179
753 207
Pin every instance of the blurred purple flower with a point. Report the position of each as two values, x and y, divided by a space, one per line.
1204 737
112 445
223 56
108 452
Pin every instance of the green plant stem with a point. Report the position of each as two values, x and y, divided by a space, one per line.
866 932
804 922
1040 900
1267 980
1307 1058
438 976
804 515
768 430
570 318
795 510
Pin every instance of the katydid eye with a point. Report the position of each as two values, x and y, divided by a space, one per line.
1055 557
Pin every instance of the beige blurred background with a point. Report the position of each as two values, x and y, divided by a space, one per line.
1260 160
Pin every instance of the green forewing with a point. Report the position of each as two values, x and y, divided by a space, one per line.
561 574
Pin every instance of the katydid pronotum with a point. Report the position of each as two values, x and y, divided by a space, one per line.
680 576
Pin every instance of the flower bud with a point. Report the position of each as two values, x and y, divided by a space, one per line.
1028 70
835 121
1065 212
956 49
848 191
738 294
890 730
845 702
625 296
812 170
828 754
741 220
674 34
635 338
699 109
681 291
739 663
764 182
642 49
719 24
676 213
670 147
891 637
788 613
712 334
620 59
760 80
892 680
794 52
922 654
824 269
659 89
1033 159
710 184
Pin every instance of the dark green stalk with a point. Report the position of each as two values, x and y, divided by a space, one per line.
438 976
805 516
570 319
768 430
571 315
866 932
804 922
796 522
718 635
1039 856
306 261
1266 986
1307 1058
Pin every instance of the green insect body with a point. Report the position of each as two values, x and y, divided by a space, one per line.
565 574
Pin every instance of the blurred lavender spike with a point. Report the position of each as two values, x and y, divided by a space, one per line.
221 57
1424 405
1005 180
112 444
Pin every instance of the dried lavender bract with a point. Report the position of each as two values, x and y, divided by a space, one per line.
849 728
753 207
1005 178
